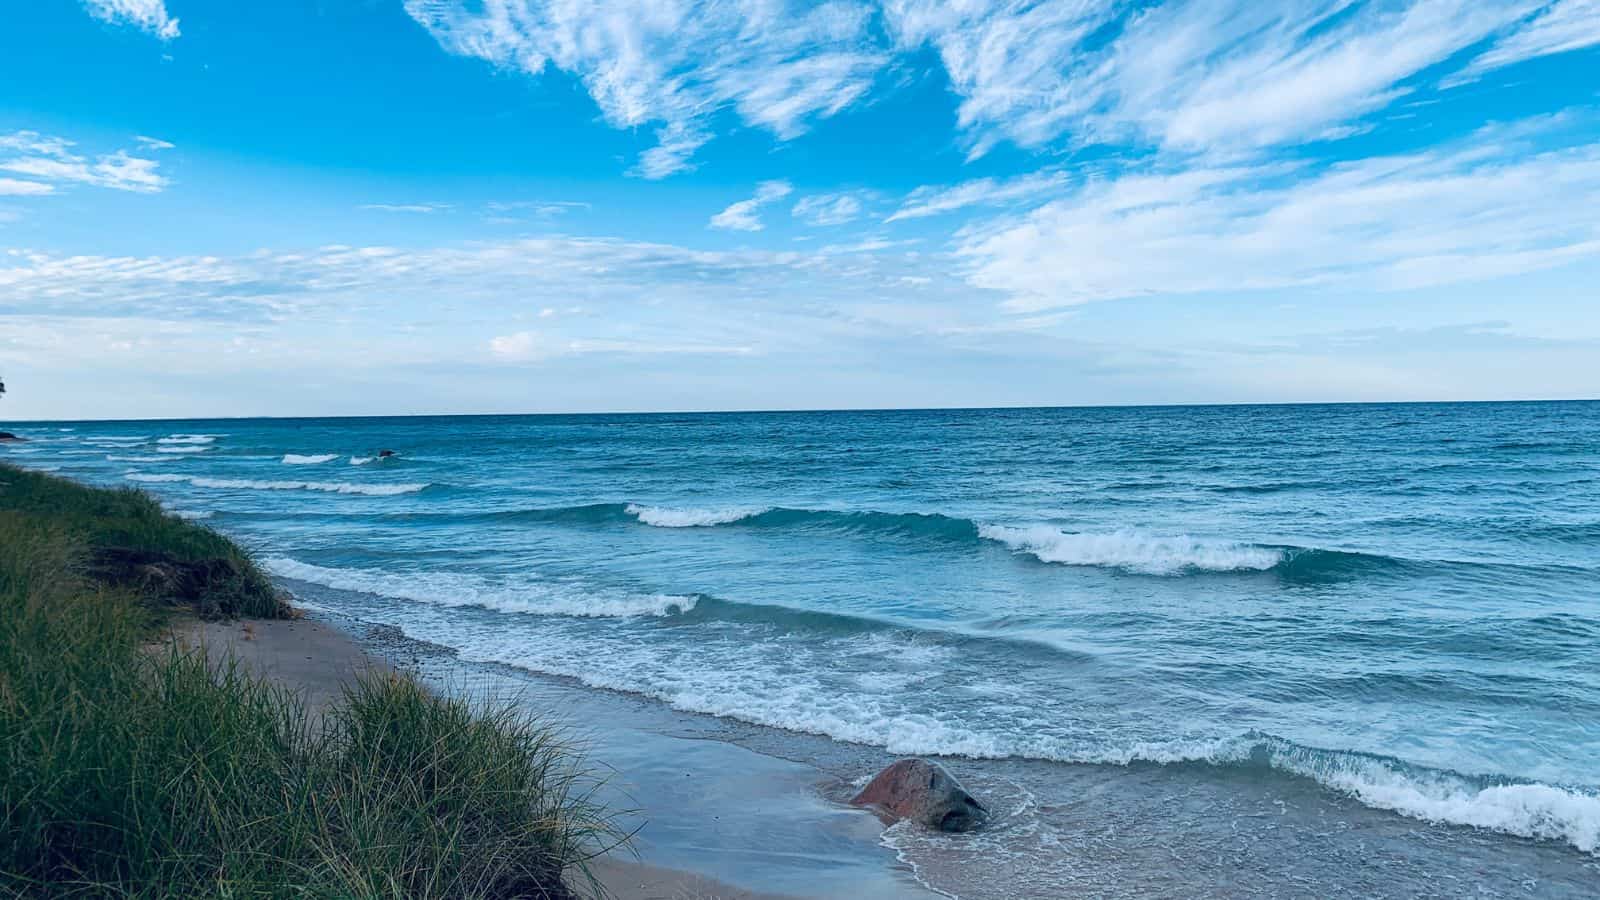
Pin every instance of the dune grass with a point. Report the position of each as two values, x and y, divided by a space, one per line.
132 772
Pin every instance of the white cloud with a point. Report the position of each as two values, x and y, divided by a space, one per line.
52 160
933 201
1186 76
1486 208
529 346
671 65
406 207
829 209
1196 75
154 143
522 345
13 187
742 216
146 15
1565 26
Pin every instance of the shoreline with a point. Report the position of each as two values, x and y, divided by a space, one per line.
316 655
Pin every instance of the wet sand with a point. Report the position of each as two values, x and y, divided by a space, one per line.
316 659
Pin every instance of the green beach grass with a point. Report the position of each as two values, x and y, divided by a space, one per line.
131 768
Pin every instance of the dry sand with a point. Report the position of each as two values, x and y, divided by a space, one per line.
317 660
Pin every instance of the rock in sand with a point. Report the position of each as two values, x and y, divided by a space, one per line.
923 792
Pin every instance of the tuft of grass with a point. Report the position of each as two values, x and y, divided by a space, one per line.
131 773
124 537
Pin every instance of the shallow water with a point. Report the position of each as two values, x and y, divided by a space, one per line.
1274 623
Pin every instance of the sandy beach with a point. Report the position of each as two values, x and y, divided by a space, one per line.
316 658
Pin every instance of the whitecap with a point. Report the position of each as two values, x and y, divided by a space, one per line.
296 459
190 439
1131 550
689 517
184 449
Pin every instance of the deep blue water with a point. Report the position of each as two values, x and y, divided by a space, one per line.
1399 602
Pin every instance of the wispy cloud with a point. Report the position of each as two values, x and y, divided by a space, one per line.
1565 26
421 208
532 346
1196 75
51 160
14 187
146 15
933 201
826 210
671 65
517 212
1186 76
743 215
1487 207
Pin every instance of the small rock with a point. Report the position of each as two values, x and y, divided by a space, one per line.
6 436
385 454
923 792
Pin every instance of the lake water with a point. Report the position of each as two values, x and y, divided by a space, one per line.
1335 634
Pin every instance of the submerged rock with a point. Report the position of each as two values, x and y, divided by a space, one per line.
8 436
923 792
385 454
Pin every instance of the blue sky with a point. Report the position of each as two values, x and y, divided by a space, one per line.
379 207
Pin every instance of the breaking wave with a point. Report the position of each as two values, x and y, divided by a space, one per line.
189 439
671 517
296 459
1129 550
520 594
1132 550
184 449
1525 809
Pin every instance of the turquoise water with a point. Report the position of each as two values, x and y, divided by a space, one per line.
1396 605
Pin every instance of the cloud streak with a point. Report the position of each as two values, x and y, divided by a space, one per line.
650 63
743 215
1186 76
1484 208
51 161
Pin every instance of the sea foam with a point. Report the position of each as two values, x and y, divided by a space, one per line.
334 487
1132 551
296 459
183 449
189 439
688 517
521 594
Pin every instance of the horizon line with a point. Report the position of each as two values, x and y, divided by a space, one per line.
817 410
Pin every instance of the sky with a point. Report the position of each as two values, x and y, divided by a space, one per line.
378 207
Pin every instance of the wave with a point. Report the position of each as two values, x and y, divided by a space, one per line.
189 439
184 449
1525 809
296 459
671 517
519 595
1132 550
361 460
112 457
335 487
781 696
1129 550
